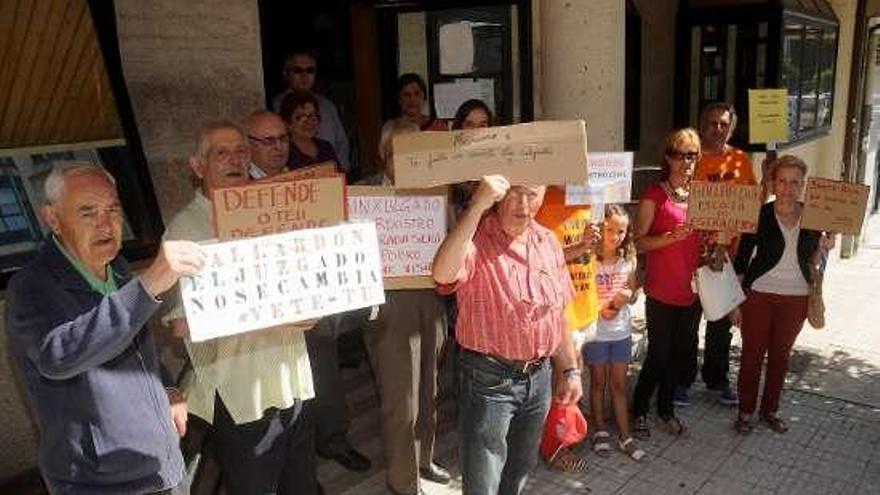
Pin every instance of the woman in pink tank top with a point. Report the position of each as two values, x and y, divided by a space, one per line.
672 253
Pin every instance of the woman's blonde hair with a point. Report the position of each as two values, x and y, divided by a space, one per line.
389 130
788 161
674 140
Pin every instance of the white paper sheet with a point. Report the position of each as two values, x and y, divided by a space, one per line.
456 48
609 180
266 281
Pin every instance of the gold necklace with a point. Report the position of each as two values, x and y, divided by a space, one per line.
679 195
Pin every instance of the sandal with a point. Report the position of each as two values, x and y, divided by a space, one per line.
602 443
743 425
640 429
631 448
775 423
674 426
567 462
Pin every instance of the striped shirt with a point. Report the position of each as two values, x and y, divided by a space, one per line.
511 301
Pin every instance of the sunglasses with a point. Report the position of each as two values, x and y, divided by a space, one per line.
300 70
683 155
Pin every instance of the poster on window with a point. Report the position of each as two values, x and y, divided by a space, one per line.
410 224
250 284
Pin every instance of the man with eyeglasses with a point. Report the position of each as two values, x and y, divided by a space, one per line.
720 162
299 72
251 387
269 144
76 319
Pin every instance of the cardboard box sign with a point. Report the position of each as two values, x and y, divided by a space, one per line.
250 284
263 208
537 153
410 224
317 171
722 206
834 206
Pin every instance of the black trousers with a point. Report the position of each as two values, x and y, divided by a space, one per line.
273 455
716 354
672 348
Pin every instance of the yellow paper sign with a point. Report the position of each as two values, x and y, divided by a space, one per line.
768 115
834 206
269 208
724 206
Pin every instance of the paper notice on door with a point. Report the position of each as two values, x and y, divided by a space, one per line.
449 96
456 48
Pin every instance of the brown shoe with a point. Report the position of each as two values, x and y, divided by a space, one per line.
775 423
743 425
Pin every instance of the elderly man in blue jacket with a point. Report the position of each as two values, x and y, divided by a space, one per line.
75 318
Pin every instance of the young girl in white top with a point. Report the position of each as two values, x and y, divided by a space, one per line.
609 354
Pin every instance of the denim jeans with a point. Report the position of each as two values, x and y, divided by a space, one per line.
501 419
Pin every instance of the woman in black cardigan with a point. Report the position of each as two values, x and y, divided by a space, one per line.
773 264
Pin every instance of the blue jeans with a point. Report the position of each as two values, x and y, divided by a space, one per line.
501 419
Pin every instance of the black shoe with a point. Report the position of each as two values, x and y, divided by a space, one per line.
435 473
349 459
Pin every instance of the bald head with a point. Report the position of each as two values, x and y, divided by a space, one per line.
268 140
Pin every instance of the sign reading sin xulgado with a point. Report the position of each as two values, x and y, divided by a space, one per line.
266 281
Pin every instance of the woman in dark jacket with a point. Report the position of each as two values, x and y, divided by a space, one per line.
773 264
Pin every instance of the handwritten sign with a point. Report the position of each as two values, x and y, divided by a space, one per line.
535 153
410 224
271 207
724 206
267 281
834 206
609 180
317 171
768 115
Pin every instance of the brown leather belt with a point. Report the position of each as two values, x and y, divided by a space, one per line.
525 367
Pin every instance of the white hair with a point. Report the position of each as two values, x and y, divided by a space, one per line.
53 188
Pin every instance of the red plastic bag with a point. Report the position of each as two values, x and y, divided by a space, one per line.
565 426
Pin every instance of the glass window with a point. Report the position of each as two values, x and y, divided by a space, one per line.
807 71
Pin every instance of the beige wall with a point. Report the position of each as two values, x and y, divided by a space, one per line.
580 73
185 63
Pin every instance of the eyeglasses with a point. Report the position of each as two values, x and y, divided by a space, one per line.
270 141
690 156
311 117
300 70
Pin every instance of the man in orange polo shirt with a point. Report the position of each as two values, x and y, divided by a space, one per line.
720 162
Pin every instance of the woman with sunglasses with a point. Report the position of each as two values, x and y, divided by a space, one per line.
300 112
672 253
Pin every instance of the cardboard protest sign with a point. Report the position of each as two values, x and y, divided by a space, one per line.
534 153
609 180
724 206
317 171
768 115
410 223
249 284
834 206
262 208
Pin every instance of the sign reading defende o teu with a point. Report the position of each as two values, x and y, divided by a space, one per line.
263 208
411 225
536 153
723 206
263 282
834 206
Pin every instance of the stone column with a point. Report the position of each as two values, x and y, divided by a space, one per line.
580 48
186 63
